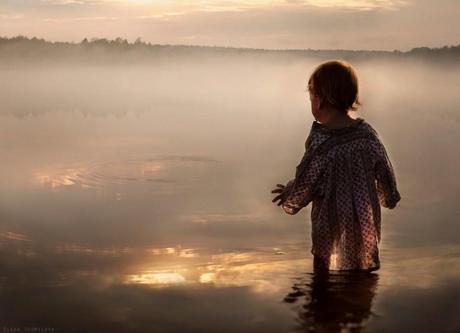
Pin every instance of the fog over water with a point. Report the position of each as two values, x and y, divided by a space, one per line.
115 176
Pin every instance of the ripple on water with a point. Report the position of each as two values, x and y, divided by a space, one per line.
97 174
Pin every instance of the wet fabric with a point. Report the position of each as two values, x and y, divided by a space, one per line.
347 175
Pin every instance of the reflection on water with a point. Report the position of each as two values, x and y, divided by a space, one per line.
75 288
335 302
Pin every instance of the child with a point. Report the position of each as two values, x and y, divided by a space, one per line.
345 172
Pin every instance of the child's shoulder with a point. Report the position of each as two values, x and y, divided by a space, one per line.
373 136
365 126
323 139
321 132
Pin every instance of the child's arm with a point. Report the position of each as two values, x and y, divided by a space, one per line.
299 192
386 181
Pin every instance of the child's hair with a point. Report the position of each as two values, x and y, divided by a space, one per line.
335 82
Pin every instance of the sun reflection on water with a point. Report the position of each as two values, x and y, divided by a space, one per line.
157 278
262 269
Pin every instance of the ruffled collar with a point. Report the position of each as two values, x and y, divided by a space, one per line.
327 130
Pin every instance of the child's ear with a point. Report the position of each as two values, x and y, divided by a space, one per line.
320 103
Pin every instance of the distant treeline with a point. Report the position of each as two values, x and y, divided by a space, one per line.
120 50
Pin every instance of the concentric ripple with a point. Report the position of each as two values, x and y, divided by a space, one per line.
96 173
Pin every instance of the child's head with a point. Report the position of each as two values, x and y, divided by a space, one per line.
334 84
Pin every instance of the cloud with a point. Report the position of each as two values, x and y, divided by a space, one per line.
287 24
167 7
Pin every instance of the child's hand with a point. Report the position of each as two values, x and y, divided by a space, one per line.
279 197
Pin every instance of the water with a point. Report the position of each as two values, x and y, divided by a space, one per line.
137 199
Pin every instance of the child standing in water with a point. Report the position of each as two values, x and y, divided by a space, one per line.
345 172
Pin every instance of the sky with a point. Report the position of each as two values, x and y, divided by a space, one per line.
269 24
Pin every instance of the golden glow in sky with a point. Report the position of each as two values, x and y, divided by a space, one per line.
239 5
271 24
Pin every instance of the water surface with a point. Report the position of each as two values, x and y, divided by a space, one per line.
137 199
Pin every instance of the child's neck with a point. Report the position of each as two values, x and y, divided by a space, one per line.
334 118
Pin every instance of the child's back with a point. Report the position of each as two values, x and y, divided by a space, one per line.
346 174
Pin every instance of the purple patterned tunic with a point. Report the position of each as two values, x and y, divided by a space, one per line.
347 175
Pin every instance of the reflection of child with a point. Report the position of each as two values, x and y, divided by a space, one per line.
345 172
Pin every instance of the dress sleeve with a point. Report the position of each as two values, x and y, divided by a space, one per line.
387 191
299 192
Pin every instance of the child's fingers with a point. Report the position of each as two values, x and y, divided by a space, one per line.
277 198
280 187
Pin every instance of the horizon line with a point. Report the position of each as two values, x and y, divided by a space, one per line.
92 39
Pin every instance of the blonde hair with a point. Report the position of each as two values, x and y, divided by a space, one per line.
335 82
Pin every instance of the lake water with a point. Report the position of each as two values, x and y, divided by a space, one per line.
137 198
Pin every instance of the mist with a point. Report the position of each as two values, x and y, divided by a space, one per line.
187 152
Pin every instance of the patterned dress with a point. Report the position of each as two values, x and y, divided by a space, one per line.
347 175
